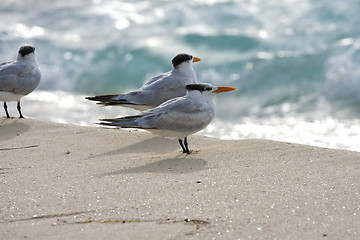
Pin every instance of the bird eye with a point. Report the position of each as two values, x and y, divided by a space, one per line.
208 89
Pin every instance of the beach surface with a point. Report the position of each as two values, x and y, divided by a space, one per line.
62 181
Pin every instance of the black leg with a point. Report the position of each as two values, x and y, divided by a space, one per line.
5 107
182 146
186 146
19 109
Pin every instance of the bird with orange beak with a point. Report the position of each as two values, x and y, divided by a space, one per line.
178 117
158 89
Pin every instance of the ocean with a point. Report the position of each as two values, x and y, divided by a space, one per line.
296 63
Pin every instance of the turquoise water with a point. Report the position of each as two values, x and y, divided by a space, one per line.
295 62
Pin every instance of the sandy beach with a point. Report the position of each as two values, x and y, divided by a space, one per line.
69 182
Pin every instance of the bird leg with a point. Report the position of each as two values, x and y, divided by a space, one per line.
6 111
184 148
19 109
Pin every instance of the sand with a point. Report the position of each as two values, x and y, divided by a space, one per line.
69 182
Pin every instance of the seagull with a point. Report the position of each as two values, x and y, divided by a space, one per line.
178 117
158 89
19 77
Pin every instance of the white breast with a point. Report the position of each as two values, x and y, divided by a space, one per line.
9 97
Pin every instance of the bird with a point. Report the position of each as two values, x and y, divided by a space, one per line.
19 77
158 89
178 117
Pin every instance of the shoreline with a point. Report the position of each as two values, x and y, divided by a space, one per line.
63 181
322 131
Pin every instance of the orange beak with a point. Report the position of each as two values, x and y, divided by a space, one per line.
196 59
224 89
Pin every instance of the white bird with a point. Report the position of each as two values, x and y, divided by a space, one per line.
177 117
19 78
158 89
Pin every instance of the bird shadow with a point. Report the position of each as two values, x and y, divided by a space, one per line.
12 129
177 165
154 144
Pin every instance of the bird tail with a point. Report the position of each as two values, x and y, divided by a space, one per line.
102 98
109 100
123 122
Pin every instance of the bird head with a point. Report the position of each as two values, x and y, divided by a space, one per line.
182 59
26 50
206 87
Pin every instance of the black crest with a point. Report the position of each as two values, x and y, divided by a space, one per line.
26 49
180 58
198 87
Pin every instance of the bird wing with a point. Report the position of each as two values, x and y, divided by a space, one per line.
160 89
137 97
134 95
178 118
9 73
179 114
157 90
156 78
18 78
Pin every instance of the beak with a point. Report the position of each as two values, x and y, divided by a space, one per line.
196 59
224 89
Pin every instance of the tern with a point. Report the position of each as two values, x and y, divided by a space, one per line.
158 89
178 117
19 78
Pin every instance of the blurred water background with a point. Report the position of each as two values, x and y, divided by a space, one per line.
296 63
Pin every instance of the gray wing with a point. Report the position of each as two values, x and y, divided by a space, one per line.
8 76
178 114
146 95
154 79
158 90
16 77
